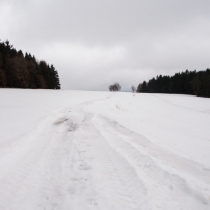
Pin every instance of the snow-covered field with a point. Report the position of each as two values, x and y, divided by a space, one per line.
77 150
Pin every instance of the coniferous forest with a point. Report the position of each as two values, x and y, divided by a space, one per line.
188 82
24 71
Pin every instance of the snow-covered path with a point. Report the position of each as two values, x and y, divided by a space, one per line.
67 164
80 159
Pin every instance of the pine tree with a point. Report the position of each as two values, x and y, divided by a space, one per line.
17 70
188 82
144 87
3 80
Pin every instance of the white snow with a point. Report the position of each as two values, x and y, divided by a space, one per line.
80 150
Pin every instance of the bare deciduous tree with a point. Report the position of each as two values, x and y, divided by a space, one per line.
133 88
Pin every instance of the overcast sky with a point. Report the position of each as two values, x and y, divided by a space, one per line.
94 43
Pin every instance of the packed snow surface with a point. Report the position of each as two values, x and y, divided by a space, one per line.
77 150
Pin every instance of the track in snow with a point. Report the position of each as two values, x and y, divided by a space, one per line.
77 160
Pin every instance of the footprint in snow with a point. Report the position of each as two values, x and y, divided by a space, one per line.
85 166
60 121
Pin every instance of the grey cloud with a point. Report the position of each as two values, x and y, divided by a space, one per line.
93 43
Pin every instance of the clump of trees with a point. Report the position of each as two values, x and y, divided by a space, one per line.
24 71
115 87
188 82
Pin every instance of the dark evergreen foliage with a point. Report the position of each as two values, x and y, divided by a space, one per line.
188 82
19 71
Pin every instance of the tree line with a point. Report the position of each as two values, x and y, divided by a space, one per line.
188 82
24 71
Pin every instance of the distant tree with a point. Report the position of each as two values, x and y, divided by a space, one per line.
2 74
133 88
201 83
24 71
188 82
55 77
144 87
139 88
115 87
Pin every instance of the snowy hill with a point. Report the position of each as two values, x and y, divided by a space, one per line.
77 150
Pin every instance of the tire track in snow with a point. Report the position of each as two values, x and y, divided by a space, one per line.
171 103
32 169
148 159
123 189
77 160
